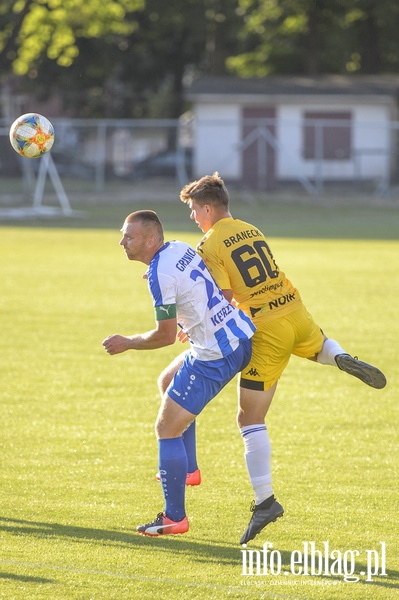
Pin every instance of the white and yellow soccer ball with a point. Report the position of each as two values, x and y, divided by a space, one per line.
32 135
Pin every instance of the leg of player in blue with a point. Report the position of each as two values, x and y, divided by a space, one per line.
173 468
173 472
194 385
190 444
189 436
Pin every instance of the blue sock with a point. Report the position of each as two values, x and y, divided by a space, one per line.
191 447
173 471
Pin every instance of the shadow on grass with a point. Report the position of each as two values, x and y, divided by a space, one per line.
25 578
128 538
202 551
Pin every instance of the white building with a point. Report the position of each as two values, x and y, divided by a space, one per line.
262 131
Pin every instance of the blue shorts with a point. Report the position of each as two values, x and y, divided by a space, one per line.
198 381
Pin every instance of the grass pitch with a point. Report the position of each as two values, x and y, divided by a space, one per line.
79 455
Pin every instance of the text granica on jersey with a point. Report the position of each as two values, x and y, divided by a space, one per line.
186 259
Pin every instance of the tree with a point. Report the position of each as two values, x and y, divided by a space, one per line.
34 28
374 37
128 58
315 37
131 58
175 40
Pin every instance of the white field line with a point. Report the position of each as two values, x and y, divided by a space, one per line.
246 590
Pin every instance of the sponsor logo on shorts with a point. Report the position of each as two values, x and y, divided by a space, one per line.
253 372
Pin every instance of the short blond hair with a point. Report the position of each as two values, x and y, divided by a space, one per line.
210 189
149 219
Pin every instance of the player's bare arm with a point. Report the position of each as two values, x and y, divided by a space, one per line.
228 294
163 335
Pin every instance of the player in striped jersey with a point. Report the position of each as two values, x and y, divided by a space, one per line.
184 294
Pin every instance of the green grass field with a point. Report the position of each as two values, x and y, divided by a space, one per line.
78 451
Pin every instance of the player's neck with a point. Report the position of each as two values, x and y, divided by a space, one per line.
217 216
148 256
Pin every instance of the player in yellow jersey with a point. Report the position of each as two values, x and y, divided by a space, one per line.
241 261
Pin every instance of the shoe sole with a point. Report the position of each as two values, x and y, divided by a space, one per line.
161 534
155 529
367 373
277 516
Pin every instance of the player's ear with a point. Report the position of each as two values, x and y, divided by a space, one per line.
152 241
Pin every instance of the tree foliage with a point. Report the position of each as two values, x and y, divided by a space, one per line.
174 41
129 58
314 37
35 28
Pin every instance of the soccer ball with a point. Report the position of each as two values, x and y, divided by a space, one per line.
32 135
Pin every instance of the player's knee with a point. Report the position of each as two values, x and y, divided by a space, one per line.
239 418
252 413
165 429
159 428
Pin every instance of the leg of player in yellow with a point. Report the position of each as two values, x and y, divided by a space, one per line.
252 410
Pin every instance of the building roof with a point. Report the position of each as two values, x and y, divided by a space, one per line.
333 85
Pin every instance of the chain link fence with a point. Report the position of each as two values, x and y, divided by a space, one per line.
114 157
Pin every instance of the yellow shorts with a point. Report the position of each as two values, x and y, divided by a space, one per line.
274 342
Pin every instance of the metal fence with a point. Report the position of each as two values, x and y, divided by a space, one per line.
90 156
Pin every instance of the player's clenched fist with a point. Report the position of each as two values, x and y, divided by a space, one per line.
115 344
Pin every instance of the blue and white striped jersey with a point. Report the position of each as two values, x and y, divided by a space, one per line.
181 285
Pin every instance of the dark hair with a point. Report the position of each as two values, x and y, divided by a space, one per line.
149 219
210 189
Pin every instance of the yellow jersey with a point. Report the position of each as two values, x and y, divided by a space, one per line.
239 259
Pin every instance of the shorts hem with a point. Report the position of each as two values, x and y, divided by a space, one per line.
249 384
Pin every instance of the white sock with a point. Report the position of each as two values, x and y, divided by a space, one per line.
257 456
328 352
